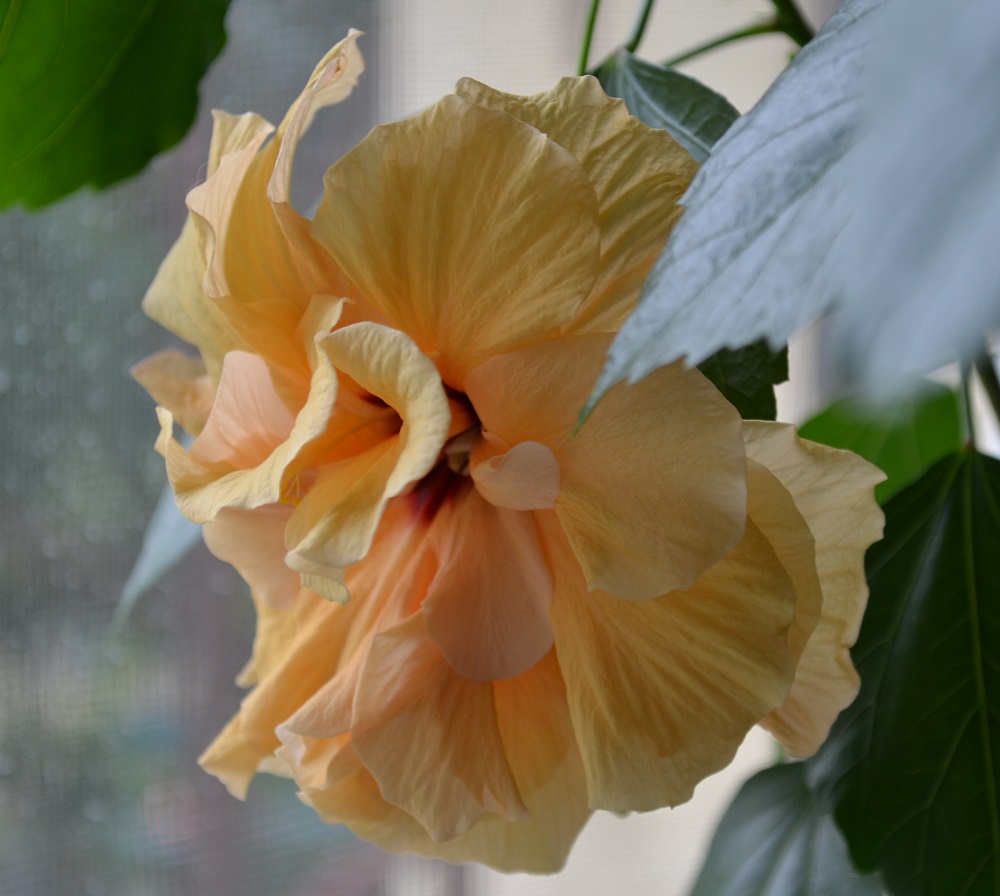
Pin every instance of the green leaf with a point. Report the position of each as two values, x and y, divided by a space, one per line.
91 90
748 258
747 376
903 440
921 270
693 114
776 840
911 767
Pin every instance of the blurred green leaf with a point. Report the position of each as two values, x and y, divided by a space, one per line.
693 114
911 767
903 440
776 840
91 90
747 377
748 259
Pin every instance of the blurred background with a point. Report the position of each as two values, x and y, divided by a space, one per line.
99 790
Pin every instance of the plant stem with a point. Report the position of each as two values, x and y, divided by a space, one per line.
640 26
965 373
769 26
792 23
588 36
988 377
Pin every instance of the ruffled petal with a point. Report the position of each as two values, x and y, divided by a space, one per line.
213 476
639 175
487 609
248 419
429 736
663 691
253 541
334 524
833 490
178 383
469 230
652 489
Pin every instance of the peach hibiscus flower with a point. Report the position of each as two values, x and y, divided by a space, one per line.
476 626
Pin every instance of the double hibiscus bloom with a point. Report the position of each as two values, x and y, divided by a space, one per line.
475 625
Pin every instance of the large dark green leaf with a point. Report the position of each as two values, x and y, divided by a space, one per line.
747 376
693 114
747 260
776 840
91 90
911 767
921 269
903 440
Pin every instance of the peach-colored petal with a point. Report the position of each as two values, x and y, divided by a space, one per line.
468 229
653 488
178 383
334 524
663 691
231 759
833 490
253 541
429 736
204 483
526 477
638 174
487 609
248 419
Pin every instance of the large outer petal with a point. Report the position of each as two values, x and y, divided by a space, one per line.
833 490
639 174
469 230
538 740
663 691
178 383
653 488
429 736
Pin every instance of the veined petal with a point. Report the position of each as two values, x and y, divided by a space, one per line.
334 524
639 175
178 383
663 691
253 541
469 230
833 490
176 300
653 486
205 485
487 609
429 736
248 419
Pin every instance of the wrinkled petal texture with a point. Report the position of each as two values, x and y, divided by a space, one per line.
471 231
477 621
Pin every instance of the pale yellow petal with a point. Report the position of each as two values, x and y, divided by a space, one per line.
469 230
176 299
429 736
487 609
834 492
638 173
231 759
335 522
652 489
253 541
178 383
663 691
